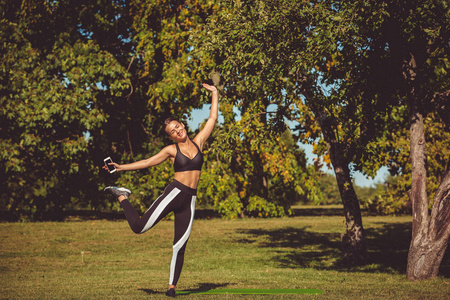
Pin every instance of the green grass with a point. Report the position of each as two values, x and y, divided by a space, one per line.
101 259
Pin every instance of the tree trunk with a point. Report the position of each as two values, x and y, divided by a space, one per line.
354 241
429 236
424 258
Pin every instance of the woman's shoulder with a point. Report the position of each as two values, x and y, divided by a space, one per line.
170 149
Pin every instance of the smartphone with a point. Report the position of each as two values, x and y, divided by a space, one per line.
111 168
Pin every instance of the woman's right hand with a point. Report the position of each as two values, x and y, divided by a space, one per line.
117 166
210 88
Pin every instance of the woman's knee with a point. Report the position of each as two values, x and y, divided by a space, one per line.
136 229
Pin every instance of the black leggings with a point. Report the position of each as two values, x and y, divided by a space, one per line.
177 198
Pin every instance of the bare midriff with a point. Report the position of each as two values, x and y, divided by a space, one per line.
188 178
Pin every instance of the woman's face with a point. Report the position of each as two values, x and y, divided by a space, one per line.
176 131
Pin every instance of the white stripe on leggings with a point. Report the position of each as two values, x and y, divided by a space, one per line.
182 241
151 221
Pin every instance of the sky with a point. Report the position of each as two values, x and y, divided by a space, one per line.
199 115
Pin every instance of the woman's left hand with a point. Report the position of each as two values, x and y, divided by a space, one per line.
210 88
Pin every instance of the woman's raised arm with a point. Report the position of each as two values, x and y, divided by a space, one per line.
204 134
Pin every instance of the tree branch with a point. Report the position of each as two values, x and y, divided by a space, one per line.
131 85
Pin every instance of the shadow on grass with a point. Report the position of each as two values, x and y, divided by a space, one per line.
83 215
387 244
202 287
297 247
317 211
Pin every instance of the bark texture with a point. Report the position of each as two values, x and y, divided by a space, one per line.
430 234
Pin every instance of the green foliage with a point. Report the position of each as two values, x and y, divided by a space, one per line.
340 63
284 53
329 189
267 175
217 187
395 150
75 80
165 84
163 31
382 200
260 207
81 80
252 179
49 102
230 207
269 169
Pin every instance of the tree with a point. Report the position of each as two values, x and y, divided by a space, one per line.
165 83
258 181
49 101
124 65
418 36
277 52
329 59
95 78
164 32
411 40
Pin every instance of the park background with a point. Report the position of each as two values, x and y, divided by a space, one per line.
363 86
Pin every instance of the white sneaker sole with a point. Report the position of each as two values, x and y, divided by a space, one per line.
117 189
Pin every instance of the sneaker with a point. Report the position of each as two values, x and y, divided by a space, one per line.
171 293
118 191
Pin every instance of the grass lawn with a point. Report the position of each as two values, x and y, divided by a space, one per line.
103 259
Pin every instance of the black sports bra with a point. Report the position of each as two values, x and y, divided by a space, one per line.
182 163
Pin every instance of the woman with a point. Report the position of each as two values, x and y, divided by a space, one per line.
179 196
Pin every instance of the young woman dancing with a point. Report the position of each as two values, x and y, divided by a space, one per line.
180 195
